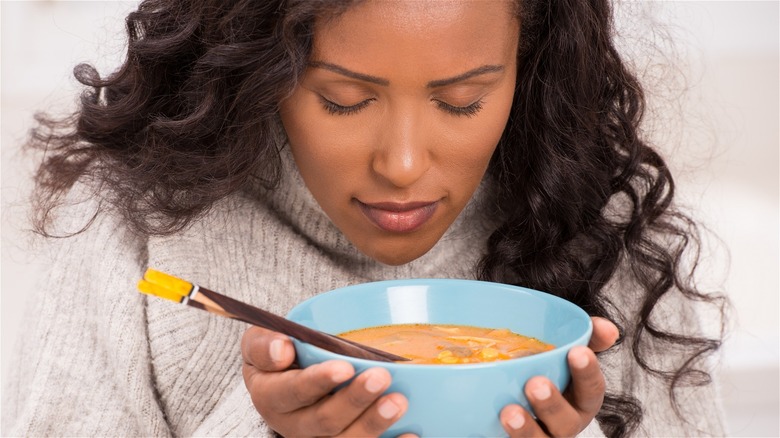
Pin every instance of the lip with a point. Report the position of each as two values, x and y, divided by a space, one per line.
398 217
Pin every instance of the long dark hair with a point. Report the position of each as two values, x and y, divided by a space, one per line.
191 117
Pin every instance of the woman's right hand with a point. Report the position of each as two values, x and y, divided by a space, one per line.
298 402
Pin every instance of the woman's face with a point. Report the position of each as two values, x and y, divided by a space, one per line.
396 117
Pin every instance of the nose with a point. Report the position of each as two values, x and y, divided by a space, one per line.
402 155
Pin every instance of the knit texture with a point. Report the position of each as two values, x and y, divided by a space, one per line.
99 359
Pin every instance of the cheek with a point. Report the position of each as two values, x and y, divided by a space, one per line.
317 149
470 149
478 137
494 124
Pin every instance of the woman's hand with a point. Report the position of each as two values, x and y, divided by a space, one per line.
569 413
297 402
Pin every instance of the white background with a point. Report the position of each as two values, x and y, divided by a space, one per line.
721 136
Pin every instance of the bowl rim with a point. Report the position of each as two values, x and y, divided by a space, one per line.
580 340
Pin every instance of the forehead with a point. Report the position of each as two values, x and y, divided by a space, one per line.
441 34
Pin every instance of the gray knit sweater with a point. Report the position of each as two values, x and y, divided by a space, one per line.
99 359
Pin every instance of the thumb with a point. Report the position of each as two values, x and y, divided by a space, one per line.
605 334
267 350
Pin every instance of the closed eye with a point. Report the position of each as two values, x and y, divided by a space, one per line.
334 108
468 110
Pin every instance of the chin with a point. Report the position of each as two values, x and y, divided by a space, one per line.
396 250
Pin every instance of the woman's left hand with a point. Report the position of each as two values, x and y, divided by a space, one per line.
569 413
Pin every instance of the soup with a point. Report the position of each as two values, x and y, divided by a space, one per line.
447 344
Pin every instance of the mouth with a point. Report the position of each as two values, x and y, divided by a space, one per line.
398 217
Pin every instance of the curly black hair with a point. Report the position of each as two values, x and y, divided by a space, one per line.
192 116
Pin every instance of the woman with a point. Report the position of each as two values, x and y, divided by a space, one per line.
274 150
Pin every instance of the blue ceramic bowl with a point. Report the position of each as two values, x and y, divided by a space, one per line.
451 400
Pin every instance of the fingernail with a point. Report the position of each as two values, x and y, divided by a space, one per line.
340 376
374 383
516 421
579 360
388 409
275 350
541 392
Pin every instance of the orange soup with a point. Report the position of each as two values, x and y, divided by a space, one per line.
447 344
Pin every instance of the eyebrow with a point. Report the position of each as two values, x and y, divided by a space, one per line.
469 74
432 84
349 73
